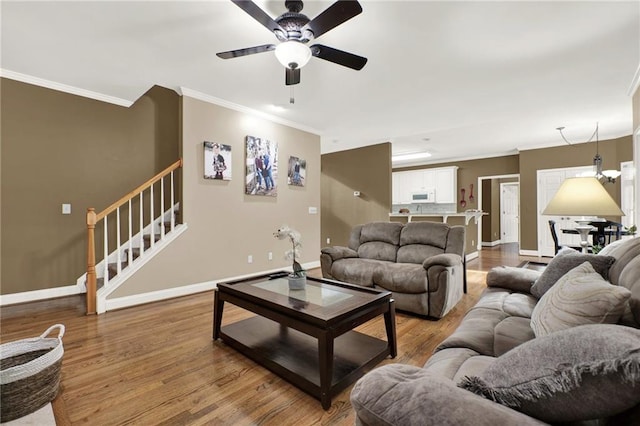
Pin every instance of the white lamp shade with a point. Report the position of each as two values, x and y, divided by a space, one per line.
293 52
582 196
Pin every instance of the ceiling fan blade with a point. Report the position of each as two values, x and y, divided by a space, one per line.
292 76
259 15
247 51
339 57
339 12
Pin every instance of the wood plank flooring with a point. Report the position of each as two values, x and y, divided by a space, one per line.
157 364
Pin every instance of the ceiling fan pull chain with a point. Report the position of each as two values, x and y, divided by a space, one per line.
292 99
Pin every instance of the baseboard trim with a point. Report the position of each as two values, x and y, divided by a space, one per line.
186 290
471 256
35 295
528 253
491 243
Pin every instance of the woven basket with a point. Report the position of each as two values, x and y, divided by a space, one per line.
29 373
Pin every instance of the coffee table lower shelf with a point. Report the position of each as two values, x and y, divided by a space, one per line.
295 357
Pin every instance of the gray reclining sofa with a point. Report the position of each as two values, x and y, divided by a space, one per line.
421 263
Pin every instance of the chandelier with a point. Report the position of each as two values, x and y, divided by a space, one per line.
604 176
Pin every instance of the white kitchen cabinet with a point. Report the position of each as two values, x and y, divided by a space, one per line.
443 180
402 187
446 184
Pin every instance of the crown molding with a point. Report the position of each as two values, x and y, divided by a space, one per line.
184 91
36 81
635 82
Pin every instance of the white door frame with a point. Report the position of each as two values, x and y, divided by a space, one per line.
479 195
636 162
502 185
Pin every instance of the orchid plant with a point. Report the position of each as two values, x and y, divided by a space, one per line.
283 233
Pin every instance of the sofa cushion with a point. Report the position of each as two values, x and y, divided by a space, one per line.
355 270
509 302
448 362
399 394
565 261
417 253
625 272
387 232
511 332
378 250
476 331
425 233
579 297
512 278
401 277
585 372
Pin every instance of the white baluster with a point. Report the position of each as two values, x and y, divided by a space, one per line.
106 251
173 213
130 252
141 224
152 219
162 231
118 255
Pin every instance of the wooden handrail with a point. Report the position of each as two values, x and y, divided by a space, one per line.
138 190
93 218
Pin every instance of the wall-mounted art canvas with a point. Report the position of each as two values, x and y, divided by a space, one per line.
217 161
297 171
261 167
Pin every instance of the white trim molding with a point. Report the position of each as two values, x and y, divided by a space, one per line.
492 243
528 253
36 81
155 296
471 256
184 91
46 293
635 83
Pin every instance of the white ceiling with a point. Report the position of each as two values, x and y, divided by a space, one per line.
474 78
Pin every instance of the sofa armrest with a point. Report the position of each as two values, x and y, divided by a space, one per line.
397 394
445 259
512 278
339 252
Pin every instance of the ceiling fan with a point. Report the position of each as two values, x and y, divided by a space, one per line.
295 30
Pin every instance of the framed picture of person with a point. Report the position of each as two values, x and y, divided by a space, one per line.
297 171
217 161
261 167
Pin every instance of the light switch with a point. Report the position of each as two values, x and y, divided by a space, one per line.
66 209
313 210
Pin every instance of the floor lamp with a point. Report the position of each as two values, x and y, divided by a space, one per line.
584 197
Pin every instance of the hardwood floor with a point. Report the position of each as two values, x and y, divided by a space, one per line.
157 364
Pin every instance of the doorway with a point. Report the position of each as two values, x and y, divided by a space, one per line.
510 212
490 227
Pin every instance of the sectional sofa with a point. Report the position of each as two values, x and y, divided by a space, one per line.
560 346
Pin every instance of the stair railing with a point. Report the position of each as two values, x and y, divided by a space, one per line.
94 218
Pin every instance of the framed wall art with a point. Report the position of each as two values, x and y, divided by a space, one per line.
261 166
217 161
297 171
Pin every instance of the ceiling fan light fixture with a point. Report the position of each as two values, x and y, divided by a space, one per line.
293 54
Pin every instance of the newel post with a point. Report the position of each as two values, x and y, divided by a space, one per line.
91 262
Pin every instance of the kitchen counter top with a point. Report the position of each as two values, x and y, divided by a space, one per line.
468 215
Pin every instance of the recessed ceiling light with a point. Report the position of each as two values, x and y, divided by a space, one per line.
411 156
277 108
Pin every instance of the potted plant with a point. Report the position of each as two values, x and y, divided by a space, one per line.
297 278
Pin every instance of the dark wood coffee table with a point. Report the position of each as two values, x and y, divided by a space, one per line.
306 336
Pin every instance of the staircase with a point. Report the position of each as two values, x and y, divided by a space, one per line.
156 224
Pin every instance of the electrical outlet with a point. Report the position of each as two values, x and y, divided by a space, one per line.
250 259
270 256
328 240
473 243
66 208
